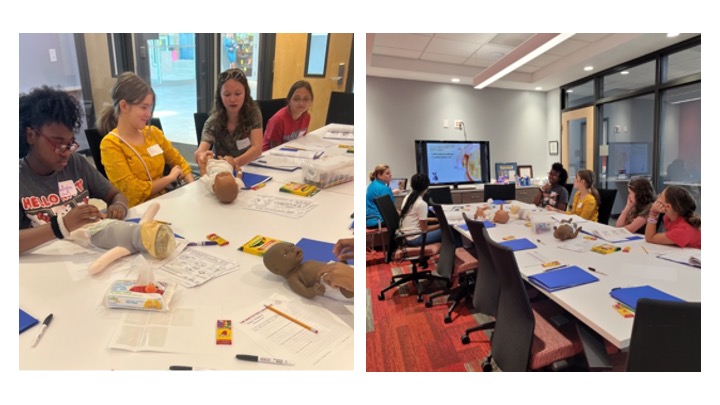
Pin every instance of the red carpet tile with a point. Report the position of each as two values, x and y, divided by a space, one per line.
403 335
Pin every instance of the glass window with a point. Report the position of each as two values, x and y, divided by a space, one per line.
683 63
240 50
579 95
316 58
629 80
680 139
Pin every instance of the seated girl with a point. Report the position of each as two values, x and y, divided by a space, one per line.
586 199
641 196
414 214
681 222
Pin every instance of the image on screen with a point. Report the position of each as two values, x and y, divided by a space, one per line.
453 162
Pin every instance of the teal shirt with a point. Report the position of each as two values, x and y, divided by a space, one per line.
376 189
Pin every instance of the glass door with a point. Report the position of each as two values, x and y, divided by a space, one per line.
578 140
240 50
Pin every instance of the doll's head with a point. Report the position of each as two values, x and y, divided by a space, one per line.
225 187
283 258
158 239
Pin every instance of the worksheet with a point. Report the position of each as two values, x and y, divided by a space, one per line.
294 340
194 266
287 207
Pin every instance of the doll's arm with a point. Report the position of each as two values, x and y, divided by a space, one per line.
150 213
108 257
300 288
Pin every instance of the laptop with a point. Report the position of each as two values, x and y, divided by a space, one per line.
398 184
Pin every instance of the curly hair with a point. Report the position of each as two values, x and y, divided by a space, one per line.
562 173
644 197
46 105
249 105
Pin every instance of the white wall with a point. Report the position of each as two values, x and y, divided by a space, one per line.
518 124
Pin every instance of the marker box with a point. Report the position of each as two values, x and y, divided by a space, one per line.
223 332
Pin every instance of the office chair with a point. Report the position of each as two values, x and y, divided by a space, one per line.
441 195
94 138
154 121
607 199
341 109
453 261
523 338
665 336
397 250
200 118
569 188
486 291
268 108
499 191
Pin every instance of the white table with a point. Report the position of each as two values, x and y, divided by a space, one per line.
79 334
591 303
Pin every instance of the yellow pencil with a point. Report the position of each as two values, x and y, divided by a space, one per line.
646 252
290 318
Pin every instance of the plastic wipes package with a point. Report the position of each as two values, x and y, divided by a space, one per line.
542 224
128 294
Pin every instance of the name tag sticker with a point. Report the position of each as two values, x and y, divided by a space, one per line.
155 150
242 143
67 189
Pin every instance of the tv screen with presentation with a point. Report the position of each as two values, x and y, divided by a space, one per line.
632 157
453 162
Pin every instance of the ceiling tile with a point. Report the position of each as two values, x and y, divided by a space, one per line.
512 40
477 39
401 53
436 57
452 47
402 41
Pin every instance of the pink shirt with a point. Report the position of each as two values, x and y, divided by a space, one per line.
682 233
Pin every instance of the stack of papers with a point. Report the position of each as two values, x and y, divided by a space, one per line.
296 153
688 256
341 132
562 278
287 164
609 233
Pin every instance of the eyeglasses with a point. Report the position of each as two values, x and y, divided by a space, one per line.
235 74
60 149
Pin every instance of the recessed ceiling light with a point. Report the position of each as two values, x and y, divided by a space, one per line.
672 35
569 91
589 68
625 72
538 88
455 80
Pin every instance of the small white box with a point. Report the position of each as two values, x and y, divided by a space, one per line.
542 224
328 171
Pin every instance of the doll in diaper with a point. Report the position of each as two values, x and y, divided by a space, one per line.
305 279
220 177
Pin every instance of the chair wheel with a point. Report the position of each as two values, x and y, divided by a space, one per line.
487 365
465 339
428 304
448 319
419 298
381 297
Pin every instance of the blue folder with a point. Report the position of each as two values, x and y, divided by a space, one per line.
629 296
26 321
560 279
251 179
488 224
317 250
519 244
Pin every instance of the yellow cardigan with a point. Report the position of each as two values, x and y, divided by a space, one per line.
587 208
128 173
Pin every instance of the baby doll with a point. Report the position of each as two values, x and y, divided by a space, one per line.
305 279
217 175
499 216
125 238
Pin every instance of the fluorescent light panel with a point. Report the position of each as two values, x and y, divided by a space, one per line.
527 51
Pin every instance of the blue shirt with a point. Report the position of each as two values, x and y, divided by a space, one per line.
376 189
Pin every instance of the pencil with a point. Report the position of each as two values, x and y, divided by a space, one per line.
646 252
290 318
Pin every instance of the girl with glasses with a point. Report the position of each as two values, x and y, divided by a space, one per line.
234 127
293 120
134 153
55 183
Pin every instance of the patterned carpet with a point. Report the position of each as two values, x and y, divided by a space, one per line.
404 335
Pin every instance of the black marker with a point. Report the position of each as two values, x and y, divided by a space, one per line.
258 359
595 271
188 368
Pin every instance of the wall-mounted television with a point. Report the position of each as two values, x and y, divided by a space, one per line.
631 157
453 162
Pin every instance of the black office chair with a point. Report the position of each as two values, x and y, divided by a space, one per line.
453 261
200 118
154 121
341 109
268 108
499 191
94 138
486 293
397 250
524 339
607 199
569 188
440 195
665 336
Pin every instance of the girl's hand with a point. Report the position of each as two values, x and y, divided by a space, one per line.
657 208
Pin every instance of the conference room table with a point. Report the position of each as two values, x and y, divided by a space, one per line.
53 279
591 303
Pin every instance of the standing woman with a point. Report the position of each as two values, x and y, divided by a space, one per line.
293 120
134 153
56 183
413 216
379 186
682 223
587 199
641 196
234 127
554 194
